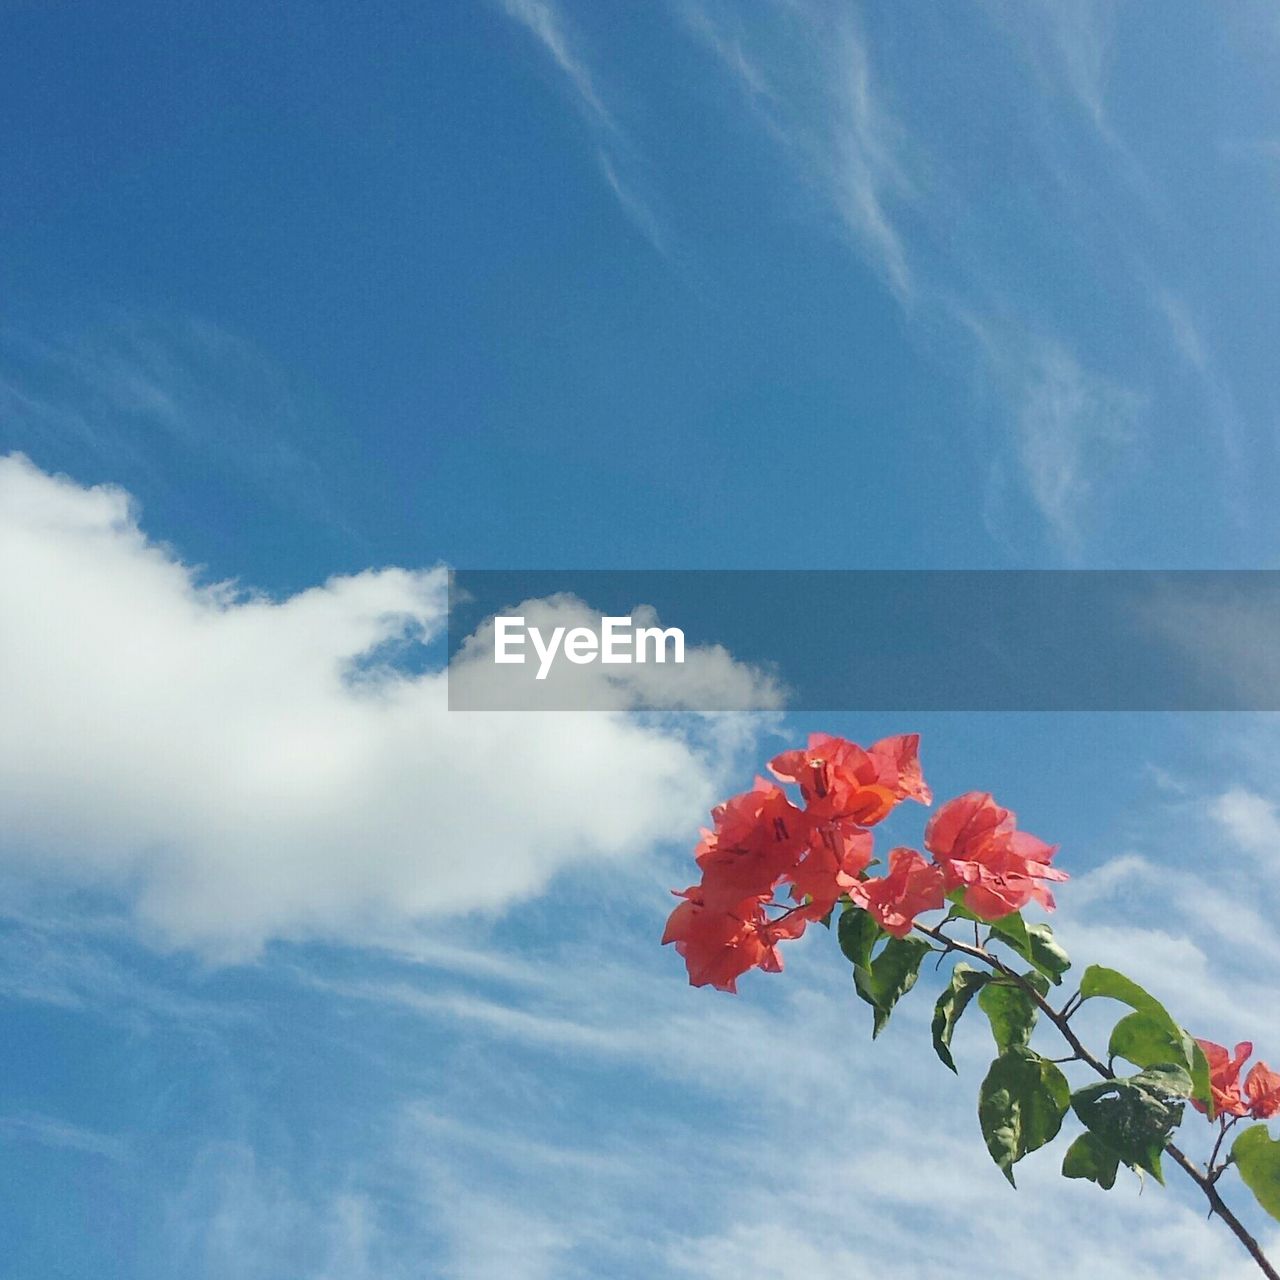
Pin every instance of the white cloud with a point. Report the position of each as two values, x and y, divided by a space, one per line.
206 752
818 99
1222 413
1069 44
779 1141
619 165
127 383
620 1123
1184 332
808 75
865 171
636 207
236 1218
545 23
808 1151
1074 431
50 1131
1251 820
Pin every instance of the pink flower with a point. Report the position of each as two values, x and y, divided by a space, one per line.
839 779
911 886
838 853
758 839
899 761
719 946
1262 1088
1224 1077
980 849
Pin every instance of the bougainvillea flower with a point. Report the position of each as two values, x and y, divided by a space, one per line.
980 849
758 838
1002 882
839 779
1034 856
718 946
967 826
1224 1077
1262 1089
838 853
994 894
911 886
899 760
762 815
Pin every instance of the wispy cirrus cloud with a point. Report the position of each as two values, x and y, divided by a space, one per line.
1072 51
547 24
1070 47
771 1081
130 388
806 73
922 205
1205 367
568 1091
619 162
51 1131
1074 434
237 1217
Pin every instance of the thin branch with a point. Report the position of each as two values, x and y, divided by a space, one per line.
1072 1007
1213 1169
1205 1181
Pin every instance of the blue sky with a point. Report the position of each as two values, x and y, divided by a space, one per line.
307 979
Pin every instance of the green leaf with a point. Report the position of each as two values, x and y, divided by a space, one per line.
1089 1157
1011 1010
1013 930
958 910
1147 1040
886 978
966 982
1047 953
1033 942
1200 1086
1166 1077
1036 944
1135 1117
1020 1106
1149 1035
1258 1159
1012 924
858 932
1098 980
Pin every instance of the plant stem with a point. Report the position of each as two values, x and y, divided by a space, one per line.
1059 1018
1213 1169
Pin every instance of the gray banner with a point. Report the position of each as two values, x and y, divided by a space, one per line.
1033 640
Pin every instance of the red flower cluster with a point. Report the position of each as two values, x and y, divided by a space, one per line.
1260 1097
822 850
